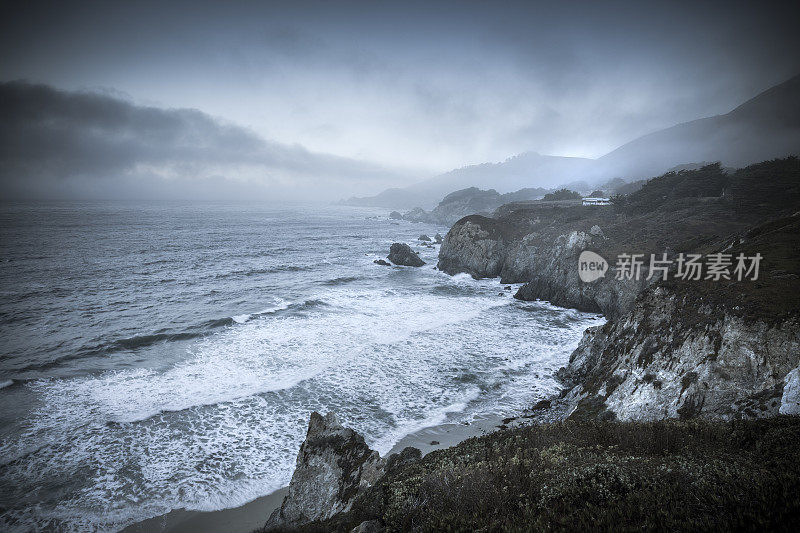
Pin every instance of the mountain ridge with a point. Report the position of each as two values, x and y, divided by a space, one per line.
764 127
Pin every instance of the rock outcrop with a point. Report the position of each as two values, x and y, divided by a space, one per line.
476 245
699 211
402 254
334 466
721 349
672 358
468 201
546 261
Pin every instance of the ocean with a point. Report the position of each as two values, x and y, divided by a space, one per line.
157 356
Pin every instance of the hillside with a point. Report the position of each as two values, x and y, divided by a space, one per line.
765 127
524 170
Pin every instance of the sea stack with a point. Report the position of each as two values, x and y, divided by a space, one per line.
334 465
402 254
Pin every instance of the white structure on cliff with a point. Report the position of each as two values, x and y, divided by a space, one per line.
596 201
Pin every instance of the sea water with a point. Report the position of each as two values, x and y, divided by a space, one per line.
166 355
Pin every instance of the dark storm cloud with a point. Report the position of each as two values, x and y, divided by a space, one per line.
49 136
422 85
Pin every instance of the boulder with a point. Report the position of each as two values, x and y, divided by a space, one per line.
395 215
333 467
425 238
402 254
381 262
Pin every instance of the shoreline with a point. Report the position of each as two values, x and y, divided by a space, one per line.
254 514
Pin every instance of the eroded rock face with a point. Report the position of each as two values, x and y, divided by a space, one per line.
547 264
790 399
402 254
334 465
475 245
667 359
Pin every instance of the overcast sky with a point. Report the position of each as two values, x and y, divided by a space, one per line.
413 89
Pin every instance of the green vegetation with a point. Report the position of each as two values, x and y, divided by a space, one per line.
561 194
707 182
579 475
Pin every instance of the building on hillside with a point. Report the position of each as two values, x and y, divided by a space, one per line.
596 201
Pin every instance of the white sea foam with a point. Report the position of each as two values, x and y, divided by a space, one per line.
224 426
6 383
280 305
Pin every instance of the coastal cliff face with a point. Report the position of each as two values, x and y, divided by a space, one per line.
334 465
725 349
671 348
670 359
544 257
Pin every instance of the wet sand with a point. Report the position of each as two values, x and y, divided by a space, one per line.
253 515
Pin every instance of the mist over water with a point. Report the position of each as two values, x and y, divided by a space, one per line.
163 356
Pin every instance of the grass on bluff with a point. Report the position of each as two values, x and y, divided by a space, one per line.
581 475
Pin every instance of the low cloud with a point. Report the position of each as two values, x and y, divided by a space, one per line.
56 144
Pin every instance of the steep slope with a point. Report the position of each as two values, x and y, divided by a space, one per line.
589 476
764 127
723 349
470 201
524 170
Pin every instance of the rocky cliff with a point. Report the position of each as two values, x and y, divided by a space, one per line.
723 349
334 465
668 358
694 211
542 255
671 348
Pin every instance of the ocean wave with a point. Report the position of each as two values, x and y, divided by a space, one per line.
262 271
223 426
197 331
340 281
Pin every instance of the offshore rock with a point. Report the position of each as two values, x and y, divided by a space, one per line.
402 254
333 467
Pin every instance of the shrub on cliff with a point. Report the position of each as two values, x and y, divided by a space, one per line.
579 476
562 194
